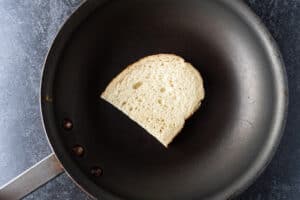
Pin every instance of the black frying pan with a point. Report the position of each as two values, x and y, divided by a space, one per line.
223 146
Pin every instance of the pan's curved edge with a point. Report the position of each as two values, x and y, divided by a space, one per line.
271 47
42 96
86 7
275 58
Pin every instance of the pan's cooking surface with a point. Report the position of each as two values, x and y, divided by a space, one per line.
233 132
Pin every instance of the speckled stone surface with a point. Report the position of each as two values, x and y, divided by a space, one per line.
27 29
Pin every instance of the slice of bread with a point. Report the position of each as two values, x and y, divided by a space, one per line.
159 93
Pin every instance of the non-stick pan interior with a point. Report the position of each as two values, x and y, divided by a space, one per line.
238 123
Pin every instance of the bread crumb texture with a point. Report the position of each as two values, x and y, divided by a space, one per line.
158 92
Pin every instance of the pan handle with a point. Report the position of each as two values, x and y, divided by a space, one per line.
32 178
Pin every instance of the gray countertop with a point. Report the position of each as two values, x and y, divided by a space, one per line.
28 28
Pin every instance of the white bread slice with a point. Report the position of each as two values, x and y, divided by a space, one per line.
159 93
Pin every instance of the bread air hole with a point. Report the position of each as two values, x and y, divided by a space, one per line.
161 129
171 83
137 85
162 90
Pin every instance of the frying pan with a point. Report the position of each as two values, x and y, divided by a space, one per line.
223 147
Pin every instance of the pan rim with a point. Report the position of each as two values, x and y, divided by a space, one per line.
261 162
